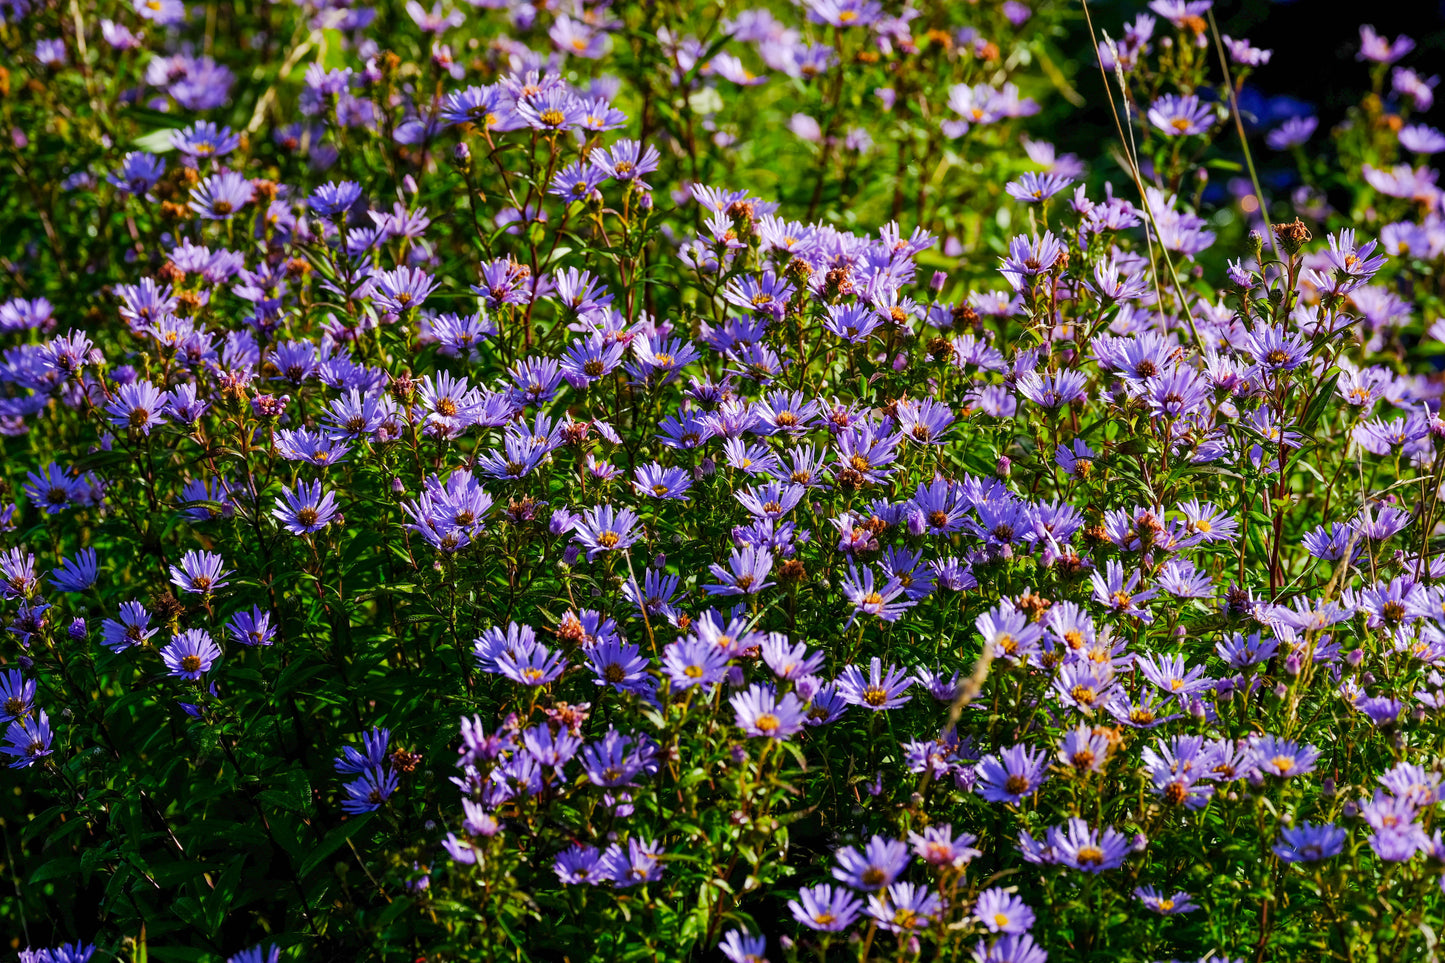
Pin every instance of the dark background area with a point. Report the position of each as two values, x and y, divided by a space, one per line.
1312 70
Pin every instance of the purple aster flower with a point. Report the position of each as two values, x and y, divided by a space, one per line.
138 405
1028 258
251 627
1001 911
1012 775
1113 590
220 196
739 947
372 755
638 864
618 664
761 713
1381 49
605 529
131 628
1421 139
1082 847
746 574
200 572
878 690
1309 843
579 863
577 181
401 289
904 907
28 740
690 661
937 846
76 574
17 696
138 173
204 139
1181 116
367 793
1084 749
1010 948
191 654
52 489
1033 188
926 421
1155 900
333 198
627 160
1292 133
875 867
655 481
827 908
1283 757
867 599
305 510
1274 349
537 666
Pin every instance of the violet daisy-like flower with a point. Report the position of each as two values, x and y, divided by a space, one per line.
537 666
579 863
691 661
739 947
204 139
139 405
826 908
618 664
1283 757
1309 843
1180 116
138 173
746 574
605 529
1001 911
926 422
655 481
1033 188
1274 349
904 907
367 793
251 627
76 574
1119 594
627 160
131 628
1012 775
1010 948
1082 847
28 740
1053 390
17 696
1170 905
402 289
1028 258
200 572
191 654
305 510
760 712
869 599
637 864
1084 750
878 690
220 196
937 846
876 866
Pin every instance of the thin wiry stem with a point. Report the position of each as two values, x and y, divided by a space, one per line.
1131 153
1243 141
